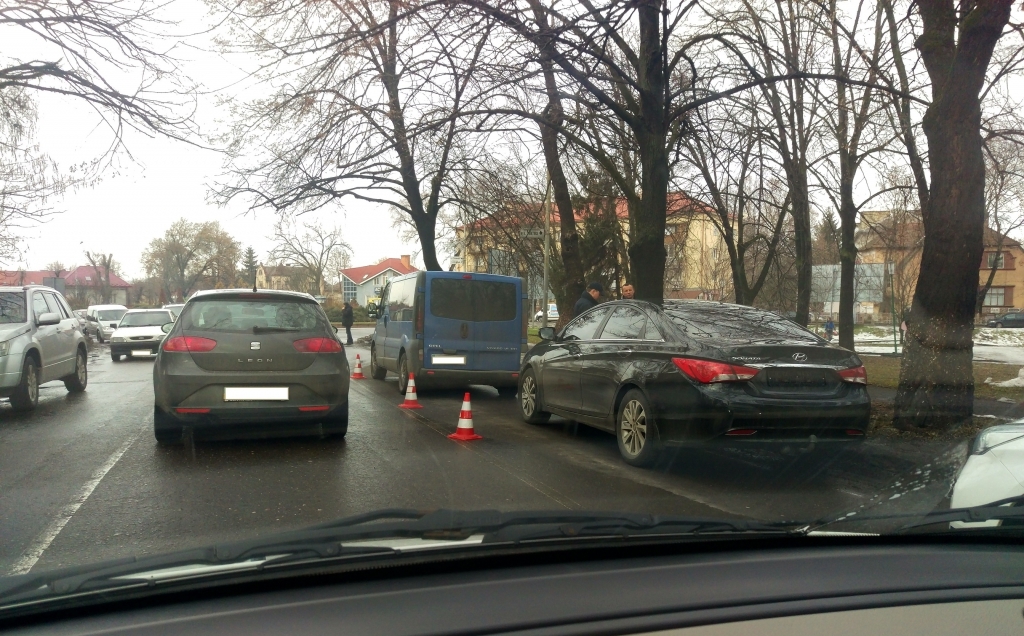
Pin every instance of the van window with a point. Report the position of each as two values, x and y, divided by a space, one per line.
401 299
473 300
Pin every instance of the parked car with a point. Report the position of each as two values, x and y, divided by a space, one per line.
994 471
40 341
244 361
139 333
104 319
174 308
694 372
83 321
450 329
1012 320
552 313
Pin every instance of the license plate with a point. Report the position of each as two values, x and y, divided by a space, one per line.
255 393
448 359
792 378
141 352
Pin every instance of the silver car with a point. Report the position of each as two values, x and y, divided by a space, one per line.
40 340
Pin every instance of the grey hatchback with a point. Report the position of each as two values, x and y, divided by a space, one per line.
250 362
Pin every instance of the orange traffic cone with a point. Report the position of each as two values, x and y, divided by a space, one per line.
411 401
464 432
358 373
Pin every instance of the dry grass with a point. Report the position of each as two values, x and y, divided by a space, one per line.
885 372
881 427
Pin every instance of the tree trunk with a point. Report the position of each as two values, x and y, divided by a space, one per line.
847 264
936 387
802 243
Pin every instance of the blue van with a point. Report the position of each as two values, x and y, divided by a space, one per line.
450 329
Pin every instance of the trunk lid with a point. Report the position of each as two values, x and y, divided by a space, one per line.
793 368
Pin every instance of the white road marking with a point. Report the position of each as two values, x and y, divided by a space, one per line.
32 555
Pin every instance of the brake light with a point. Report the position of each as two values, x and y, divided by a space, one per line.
187 411
313 409
192 344
856 375
741 432
708 371
317 345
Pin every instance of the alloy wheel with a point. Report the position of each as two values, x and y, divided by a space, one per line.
634 427
33 384
528 396
80 368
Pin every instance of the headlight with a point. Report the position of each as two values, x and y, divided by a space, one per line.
117 339
996 436
5 347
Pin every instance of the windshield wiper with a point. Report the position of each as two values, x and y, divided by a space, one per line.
1011 508
259 329
382 533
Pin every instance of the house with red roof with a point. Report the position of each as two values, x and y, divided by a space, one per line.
82 286
363 283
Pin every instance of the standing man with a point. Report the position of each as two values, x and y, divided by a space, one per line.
347 320
627 292
588 299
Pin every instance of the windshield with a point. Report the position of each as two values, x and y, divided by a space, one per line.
12 308
110 314
730 260
145 319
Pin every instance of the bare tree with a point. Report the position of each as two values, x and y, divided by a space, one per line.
312 247
190 256
102 265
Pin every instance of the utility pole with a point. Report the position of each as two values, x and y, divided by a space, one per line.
547 232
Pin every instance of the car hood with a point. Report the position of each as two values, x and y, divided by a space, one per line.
134 332
12 329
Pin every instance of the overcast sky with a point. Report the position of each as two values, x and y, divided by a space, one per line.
164 180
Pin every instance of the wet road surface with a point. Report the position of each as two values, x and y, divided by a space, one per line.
82 479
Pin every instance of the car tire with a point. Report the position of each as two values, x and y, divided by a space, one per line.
99 335
635 430
77 381
999 325
26 394
403 373
377 372
529 399
508 391
116 357
165 428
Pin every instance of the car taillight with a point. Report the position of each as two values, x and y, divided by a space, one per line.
708 371
317 345
193 344
856 375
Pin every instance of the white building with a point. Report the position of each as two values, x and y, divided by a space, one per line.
364 283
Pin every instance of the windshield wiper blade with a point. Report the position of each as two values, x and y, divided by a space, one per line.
1004 509
258 329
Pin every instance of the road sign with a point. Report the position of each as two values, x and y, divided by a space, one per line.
455 260
531 232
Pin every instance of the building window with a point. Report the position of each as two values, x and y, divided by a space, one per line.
349 291
995 297
994 258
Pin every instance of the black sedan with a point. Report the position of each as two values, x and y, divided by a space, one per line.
1010 320
694 372
238 361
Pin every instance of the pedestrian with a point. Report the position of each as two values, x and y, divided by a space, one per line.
903 330
627 291
347 320
829 328
588 299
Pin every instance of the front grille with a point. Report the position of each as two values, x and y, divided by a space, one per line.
141 338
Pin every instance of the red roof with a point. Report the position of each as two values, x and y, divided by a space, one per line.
81 276
360 275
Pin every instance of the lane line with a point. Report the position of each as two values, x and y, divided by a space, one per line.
32 555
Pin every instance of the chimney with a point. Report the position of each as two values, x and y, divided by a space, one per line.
405 261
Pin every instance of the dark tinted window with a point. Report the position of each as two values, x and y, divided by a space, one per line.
146 319
473 300
583 328
400 300
252 316
12 308
625 323
735 323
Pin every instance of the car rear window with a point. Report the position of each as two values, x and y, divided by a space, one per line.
110 314
12 308
253 316
473 300
146 319
735 323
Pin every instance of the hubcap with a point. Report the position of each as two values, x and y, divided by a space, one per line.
634 427
81 368
33 385
529 396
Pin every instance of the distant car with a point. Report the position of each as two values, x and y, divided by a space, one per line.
103 319
139 332
40 341
552 313
695 372
1009 321
250 362
994 471
174 308
83 321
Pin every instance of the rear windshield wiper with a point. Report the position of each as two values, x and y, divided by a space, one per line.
258 329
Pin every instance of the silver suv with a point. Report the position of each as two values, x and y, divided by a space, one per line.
40 340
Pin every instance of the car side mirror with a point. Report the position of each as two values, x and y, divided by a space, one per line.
91 318
49 318
167 327
546 333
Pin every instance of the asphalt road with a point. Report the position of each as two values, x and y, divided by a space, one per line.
82 479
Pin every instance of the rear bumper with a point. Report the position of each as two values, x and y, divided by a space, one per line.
451 378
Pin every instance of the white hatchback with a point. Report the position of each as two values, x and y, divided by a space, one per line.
139 333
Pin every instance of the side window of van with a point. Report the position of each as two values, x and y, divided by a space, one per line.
400 302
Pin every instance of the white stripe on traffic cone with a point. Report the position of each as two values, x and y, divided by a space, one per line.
464 432
411 401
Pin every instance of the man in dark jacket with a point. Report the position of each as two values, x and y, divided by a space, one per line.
588 299
347 320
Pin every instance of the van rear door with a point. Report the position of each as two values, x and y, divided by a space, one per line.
472 316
